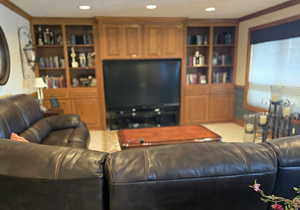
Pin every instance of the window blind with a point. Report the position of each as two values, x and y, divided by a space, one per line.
278 32
275 63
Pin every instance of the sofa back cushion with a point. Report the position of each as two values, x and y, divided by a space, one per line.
194 176
12 118
28 107
288 153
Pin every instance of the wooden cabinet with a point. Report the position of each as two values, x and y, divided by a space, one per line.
172 41
65 105
133 40
220 107
122 41
89 110
112 44
141 41
196 109
153 40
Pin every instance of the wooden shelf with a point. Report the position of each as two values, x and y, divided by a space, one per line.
196 45
222 66
82 87
223 45
52 69
196 67
81 45
83 68
49 46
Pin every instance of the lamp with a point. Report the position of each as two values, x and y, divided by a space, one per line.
39 84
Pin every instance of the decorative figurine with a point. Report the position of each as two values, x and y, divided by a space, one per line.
90 59
198 59
47 36
73 56
75 82
82 59
40 36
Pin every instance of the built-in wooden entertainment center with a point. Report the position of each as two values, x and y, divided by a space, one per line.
112 38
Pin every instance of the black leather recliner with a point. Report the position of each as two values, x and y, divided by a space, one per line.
21 114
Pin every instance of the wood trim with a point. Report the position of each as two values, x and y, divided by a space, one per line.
140 20
270 10
212 22
65 21
239 122
274 23
246 87
239 86
16 9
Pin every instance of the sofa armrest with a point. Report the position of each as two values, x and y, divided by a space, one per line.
64 121
30 160
36 177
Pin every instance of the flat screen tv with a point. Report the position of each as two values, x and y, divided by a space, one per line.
141 83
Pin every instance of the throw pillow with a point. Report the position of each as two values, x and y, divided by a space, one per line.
16 137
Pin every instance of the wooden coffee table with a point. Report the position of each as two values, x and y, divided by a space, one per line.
143 137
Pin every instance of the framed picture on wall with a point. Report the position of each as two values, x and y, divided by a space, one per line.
4 59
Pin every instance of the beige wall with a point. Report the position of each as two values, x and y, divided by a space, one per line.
243 37
10 22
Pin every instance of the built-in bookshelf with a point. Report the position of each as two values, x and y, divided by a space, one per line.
210 55
66 55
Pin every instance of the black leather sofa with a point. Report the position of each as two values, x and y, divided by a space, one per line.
21 114
192 176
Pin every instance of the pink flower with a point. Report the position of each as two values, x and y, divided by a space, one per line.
256 187
277 206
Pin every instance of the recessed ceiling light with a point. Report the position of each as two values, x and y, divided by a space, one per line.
84 7
210 9
151 6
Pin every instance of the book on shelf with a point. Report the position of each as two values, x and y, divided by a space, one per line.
221 77
196 78
55 82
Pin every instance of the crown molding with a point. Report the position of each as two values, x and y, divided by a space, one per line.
270 10
15 8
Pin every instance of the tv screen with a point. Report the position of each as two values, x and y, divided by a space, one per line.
141 83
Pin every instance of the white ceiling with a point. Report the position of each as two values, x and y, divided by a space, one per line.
166 8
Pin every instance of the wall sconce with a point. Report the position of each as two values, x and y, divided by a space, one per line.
26 48
30 54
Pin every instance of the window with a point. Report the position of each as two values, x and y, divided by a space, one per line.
275 61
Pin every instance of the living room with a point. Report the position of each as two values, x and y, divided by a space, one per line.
149 105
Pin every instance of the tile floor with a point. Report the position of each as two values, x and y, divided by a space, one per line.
107 141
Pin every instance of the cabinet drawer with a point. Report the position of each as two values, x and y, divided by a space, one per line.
222 89
196 90
58 93
83 93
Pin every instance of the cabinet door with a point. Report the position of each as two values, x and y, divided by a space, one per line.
172 41
89 110
133 40
196 109
153 40
221 107
112 40
65 105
